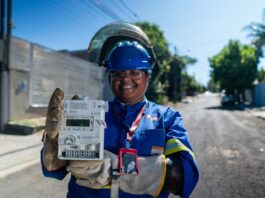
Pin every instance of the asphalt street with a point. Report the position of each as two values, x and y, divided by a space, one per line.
228 143
229 146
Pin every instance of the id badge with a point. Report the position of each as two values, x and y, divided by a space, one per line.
128 161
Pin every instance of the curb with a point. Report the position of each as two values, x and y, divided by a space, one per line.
257 114
15 129
25 126
18 167
19 157
261 117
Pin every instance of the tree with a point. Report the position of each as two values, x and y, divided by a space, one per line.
257 32
157 84
261 75
190 86
166 77
212 86
235 67
176 77
166 81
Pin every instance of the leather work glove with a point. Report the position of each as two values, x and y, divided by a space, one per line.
150 180
96 174
93 173
50 137
54 113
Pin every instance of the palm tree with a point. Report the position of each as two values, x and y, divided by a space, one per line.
257 32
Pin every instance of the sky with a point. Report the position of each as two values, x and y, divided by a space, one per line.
198 28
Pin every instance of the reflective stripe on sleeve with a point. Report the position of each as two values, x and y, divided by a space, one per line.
175 145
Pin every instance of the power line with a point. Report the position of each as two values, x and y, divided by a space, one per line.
106 10
66 12
129 9
118 6
92 8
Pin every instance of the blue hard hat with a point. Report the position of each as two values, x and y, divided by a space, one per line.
128 55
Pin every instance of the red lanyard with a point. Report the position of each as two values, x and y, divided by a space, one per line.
135 125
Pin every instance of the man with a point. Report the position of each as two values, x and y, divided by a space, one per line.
153 134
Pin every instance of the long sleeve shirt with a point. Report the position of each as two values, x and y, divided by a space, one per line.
160 131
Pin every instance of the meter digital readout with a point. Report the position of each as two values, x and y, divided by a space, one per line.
81 135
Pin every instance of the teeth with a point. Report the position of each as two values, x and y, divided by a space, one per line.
127 86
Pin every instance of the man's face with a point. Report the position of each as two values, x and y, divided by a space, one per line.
129 85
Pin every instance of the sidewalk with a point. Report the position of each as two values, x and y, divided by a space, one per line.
258 112
18 152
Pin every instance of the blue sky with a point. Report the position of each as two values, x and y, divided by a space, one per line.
198 28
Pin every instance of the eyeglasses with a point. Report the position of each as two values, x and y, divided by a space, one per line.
132 74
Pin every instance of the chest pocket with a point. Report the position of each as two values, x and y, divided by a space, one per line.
151 142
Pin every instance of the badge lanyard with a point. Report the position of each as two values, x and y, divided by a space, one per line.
128 158
132 129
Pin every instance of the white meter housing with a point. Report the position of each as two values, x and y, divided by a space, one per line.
81 135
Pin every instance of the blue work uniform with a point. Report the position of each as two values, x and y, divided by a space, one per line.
160 131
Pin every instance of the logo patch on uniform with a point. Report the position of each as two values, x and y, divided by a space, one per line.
157 150
151 117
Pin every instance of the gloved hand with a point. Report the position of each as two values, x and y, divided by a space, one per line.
94 173
152 171
54 113
53 118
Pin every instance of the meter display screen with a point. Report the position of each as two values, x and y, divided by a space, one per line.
78 122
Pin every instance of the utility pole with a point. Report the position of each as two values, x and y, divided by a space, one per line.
5 36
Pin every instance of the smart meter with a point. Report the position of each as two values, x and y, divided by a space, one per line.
81 134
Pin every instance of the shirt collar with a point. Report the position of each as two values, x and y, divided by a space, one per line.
119 106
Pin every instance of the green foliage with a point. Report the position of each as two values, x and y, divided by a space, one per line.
235 67
213 86
158 40
190 86
157 85
257 33
180 83
174 79
261 75
166 80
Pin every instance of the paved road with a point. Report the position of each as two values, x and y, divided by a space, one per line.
229 145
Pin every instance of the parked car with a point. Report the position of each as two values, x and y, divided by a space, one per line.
186 100
228 100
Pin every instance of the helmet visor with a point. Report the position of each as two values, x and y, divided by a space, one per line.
109 35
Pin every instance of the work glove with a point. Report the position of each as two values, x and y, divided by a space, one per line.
50 137
97 174
94 173
150 180
54 113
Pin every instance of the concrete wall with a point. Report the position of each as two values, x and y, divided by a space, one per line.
35 71
20 97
